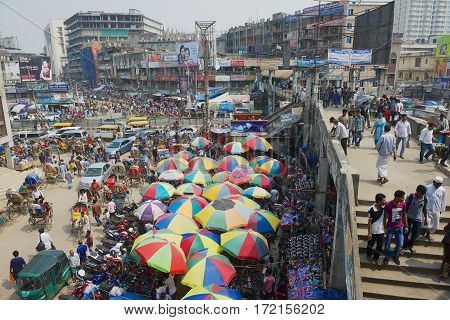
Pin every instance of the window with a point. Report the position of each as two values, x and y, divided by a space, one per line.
410 75
348 39
400 76
350 12
417 62
349 25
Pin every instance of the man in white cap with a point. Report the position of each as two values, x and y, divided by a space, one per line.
435 205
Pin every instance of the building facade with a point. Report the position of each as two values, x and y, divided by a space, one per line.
6 140
415 67
56 46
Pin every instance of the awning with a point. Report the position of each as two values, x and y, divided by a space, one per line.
18 108
279 74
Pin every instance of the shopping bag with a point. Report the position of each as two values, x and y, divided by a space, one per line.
11 278
408 145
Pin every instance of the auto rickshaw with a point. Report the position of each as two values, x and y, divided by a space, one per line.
38 215
43 277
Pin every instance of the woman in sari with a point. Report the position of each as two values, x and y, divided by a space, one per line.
378 127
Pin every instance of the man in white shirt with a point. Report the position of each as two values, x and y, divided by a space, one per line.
341 133
37 193
435 205
426 139
111 207
403 134
45 238
74 261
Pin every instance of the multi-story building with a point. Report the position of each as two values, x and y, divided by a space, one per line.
422 20
85 28
9 43
56 46
6 140
415 67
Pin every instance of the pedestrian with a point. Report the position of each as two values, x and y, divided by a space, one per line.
74 262
376 229
378 127
16 265
96 212
105 217
385 148
324 97
82 251
351 128
344 118
336 98
162 292
426 142
341 133
89 241
111 207
441 127
436 205
445 268
95 187
395 223
83 198
170 284
416 212
62 170
403 134
359 122
44 242
365 112
84 222
69 179
268 286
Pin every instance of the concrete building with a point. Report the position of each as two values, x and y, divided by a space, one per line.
56 46
415 67
9 43
6 140
422 20
85 28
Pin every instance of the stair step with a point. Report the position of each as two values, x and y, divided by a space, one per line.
445 218
412 265
395 292
421 251
362 222
437 238
368 203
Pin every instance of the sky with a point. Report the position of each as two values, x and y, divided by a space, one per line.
34 15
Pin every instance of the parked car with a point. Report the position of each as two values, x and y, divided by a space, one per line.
57 132
98 171
78 134
52 117
31 135
119 145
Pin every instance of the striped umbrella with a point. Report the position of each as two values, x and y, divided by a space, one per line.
220 190
163 234
272 167
244 200
188 206
212 292
157 191
162 255
150 210
245 244
249 169
171 175
177 223
198 177
221 176
172 163
257 193
224 215
200 142
208 267
235 148
202 163
259 160
194 242
261 180
239 177
228 163
186 155
189 189
264 222
257 143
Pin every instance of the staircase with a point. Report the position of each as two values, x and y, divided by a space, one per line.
416 278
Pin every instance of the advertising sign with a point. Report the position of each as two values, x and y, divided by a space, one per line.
286 117
245 128
224 63
442 63
10 89
349 57
187 54
237 63
325 9
58 87
21 88
37 86
238 77
222 78
310 63
170 58
35 69
183 84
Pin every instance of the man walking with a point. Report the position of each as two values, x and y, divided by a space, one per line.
403 134
426 142
96 212
359 128
376 229
385 148
16 264
435 205
395 222
341 133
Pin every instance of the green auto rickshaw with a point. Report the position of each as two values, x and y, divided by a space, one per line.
43 277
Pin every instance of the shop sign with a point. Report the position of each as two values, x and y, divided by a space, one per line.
237 63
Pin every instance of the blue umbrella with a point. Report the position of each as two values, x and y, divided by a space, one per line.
32 179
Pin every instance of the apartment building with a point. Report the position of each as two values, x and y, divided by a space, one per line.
415 67
56 46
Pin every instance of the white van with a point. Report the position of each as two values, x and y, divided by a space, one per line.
31 135
55 132
77 134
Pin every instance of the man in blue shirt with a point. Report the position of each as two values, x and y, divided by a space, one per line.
16 265
82 251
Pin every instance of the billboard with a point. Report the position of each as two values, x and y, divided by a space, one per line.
89 64
58 87
183 83
325 9
35 69
442 61
187 54
349 57
245 128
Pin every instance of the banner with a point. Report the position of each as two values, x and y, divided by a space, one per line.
35 69
183 83
237 63
349 57
187 54
245 128
10 89
224 63
58 87
310 63
170 58
37 86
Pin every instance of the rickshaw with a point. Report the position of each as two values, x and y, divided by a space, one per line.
119 194
134 174
38 216
44 275
62 145
90 197
76 211
50 173
119 170
16 203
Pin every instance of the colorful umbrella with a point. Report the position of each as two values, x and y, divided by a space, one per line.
162 255
257 193
239 177
220 190
259 160
186 155
188 206
150 210
163 234
262 181
212 292
189 189
172 163
221 176
194 242
157 191
256 143
200 142
198 177
245 244
249 169
31 179
202 163
207 268
171 175
235 148
177 223
244 200
272 167
224 215
230 162
264 222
